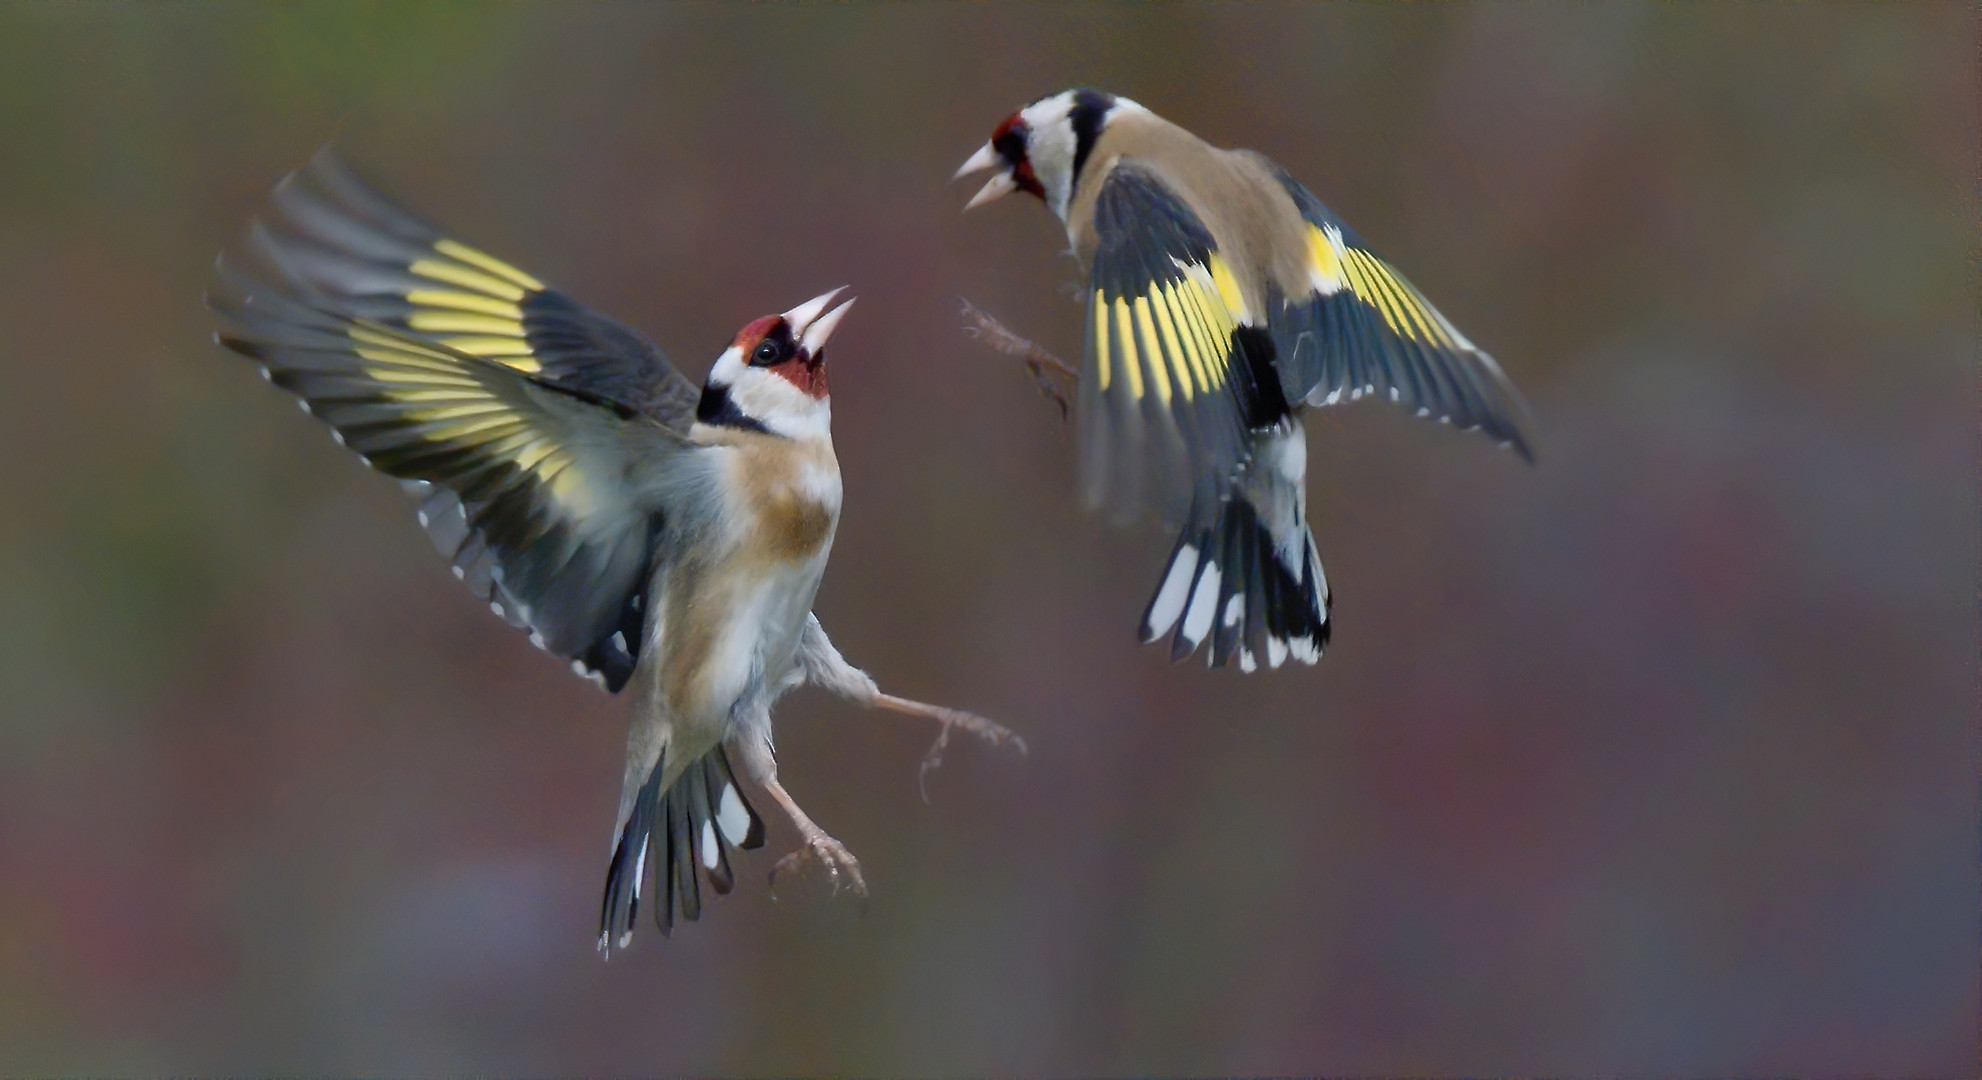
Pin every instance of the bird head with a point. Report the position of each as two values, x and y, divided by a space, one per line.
772 378
1041 148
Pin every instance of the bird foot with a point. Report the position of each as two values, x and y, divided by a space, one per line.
954 720
822 851
1055 378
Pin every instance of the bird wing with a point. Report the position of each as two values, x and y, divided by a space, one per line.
1363 329
353 250
1174 380
541 494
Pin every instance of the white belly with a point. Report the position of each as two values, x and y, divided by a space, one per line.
755 648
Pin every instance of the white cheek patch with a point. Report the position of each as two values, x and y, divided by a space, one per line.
773 401
1050 148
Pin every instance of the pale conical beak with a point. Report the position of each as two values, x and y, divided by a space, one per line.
800 317
996 188
985 158
813 328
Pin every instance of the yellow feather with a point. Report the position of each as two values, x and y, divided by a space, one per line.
1218 333
1323 261
457 322
487 262
1179 363
461 301
1131 366
1228 287
455 274
482 345
1103 363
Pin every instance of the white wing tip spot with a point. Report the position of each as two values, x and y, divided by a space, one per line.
711 854
459 573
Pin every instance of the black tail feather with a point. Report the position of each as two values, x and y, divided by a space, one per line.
697 821
1250 594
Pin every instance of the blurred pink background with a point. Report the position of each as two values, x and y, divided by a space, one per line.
1659 757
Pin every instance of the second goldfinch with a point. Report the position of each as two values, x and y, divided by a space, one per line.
663 538
1223 296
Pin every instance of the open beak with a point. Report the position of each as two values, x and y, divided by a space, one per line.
998 187
813 328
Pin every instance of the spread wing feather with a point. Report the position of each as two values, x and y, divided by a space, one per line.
1364 329
352 249
533 490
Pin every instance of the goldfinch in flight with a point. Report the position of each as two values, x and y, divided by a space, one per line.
1222 296
661 537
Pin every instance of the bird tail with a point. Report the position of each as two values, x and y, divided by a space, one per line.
1248 581
699 818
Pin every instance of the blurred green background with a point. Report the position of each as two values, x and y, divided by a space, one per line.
1659 757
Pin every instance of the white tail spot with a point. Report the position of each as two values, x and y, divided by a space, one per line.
1169 602
1204 604
731 817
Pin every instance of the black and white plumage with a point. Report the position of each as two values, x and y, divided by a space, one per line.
664 539
1223 298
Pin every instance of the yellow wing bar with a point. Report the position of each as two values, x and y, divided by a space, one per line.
480 312
1333 264
1175 338
446 404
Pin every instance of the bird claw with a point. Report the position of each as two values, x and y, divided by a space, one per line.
953 720
1055 378
842 869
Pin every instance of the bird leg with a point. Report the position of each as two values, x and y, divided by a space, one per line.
819 849
822 665
1055 377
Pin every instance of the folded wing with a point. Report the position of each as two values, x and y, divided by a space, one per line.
1174 380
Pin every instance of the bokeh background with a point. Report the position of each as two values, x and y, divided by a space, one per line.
1659 757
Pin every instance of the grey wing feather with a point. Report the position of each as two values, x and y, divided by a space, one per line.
1375 333
545 500
353 249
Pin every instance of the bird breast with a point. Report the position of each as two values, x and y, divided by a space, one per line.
732 609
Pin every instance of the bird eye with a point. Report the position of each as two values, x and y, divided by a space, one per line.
766 353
